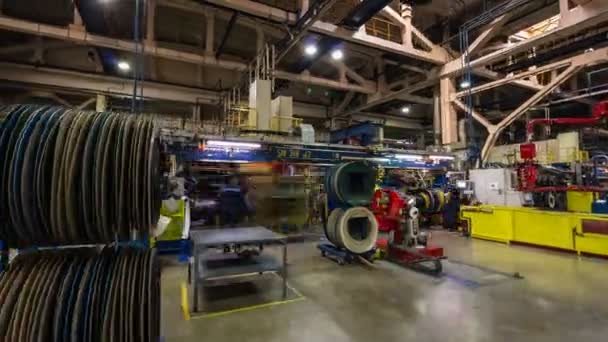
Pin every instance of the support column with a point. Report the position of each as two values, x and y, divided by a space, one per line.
449 119
381 72
209 32
406 14
77 18
259 39
437 117
101 105
151 34
150 21
304 6
342 73
420 142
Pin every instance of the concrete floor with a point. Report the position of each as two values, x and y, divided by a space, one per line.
561 298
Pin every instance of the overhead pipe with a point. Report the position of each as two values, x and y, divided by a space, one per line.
599 112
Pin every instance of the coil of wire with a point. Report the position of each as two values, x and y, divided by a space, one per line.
69 176
81 295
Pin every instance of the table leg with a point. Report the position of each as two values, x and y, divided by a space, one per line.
195 280
284 270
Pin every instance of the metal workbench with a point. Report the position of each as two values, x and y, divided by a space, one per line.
210 264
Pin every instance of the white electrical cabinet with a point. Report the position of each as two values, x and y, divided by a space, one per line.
496 187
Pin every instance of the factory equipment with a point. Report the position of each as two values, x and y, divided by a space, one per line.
351 227
397 215
547 186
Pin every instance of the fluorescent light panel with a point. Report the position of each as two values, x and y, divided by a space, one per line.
221 143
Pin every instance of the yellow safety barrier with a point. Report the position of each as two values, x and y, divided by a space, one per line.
563 230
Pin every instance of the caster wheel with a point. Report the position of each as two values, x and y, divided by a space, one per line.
323 254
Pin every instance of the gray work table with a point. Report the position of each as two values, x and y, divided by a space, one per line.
209 266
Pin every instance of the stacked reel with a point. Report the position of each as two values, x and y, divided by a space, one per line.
71 177
350 189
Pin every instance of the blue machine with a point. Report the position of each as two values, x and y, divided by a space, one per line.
317 153
367 133
600 207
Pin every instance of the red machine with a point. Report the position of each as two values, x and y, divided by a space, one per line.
549 186
400 237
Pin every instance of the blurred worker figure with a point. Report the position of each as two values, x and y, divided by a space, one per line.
232 207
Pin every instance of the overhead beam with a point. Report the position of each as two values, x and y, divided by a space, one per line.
411 88
599 16
193 7
319 81
475 115
362 38
301 27
152 49
493 75
96 84
229 28
416 99
487 33
278 15
512 78
345 102
524 107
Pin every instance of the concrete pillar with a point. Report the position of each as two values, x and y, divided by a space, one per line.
259 39
342 72
196 112
449 119
210 32
381 71
101 105
77 18
150 20
420 142
151 36
437 116
304 6
406 14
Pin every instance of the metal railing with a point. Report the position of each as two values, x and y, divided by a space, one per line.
384 29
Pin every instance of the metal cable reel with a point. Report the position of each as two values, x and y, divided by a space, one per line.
72 177
351 226
81 295
356 230
78 177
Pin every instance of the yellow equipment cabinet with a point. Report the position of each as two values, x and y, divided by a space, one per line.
579 232
579 201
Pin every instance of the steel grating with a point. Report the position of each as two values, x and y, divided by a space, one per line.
69 176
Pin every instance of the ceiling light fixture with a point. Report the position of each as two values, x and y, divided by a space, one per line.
310 50
337 55
124 66
405 110
465 84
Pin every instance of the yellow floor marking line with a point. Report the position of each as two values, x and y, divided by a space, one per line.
185 308
248 308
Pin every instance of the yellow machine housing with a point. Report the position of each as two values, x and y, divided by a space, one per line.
579 232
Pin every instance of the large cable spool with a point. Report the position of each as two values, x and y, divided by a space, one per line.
76 177
354 229
351 184
81 295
